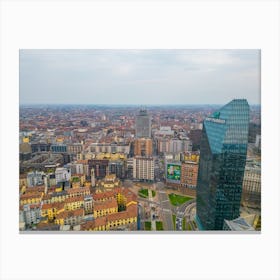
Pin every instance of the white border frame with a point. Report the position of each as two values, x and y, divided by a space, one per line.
125 24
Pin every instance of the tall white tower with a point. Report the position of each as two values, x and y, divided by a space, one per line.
92 177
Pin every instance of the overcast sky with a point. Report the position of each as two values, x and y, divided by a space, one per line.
139 76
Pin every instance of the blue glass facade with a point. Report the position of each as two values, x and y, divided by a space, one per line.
59 148
222 163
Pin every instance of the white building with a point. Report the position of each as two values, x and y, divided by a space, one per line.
109 148
35 178
62 174
30 214
165 131
143 168
251 188
258 141
178 145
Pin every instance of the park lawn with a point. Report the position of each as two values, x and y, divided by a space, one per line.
176 199
174 220
148 225
143 193
159 225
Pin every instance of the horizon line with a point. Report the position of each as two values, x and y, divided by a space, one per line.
124 104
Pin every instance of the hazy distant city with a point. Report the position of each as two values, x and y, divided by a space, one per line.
147 166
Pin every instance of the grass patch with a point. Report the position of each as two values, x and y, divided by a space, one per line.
143 193
189 226
174 220
176 199
148 225
75 179
159 225
153 193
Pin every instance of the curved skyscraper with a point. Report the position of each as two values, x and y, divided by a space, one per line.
222 164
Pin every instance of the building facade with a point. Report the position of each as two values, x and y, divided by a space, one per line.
189 174
251 193
143 147
143 124
222 164
143 168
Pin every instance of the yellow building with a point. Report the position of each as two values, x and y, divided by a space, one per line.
109 182
59 139
76 184
31 198
58 189
77 180
72 217
47 198
191 157
23 180
103 196
101 209
78 192
113 221
25 139
111 156
87 184
97 225
73 203
59 197
123 218
51 210
121 199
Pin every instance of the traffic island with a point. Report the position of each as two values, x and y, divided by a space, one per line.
177 200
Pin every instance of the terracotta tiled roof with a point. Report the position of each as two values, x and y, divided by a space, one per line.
32 206
129 213
74 199
35 189
100 221
30 196
78 190
112 203
103 195
47 196
71 213
57 205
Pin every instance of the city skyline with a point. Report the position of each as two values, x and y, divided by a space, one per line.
138 77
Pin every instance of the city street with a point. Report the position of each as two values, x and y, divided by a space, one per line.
166 208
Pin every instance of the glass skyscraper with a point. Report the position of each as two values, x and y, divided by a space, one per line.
143 124
222 164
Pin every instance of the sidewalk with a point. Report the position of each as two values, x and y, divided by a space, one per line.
153 222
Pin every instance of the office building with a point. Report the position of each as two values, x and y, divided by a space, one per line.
143 124
189 174
251 193
74 148
117 167
143 168
100 167
58 148
143 147
178 145
222 164
109 148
